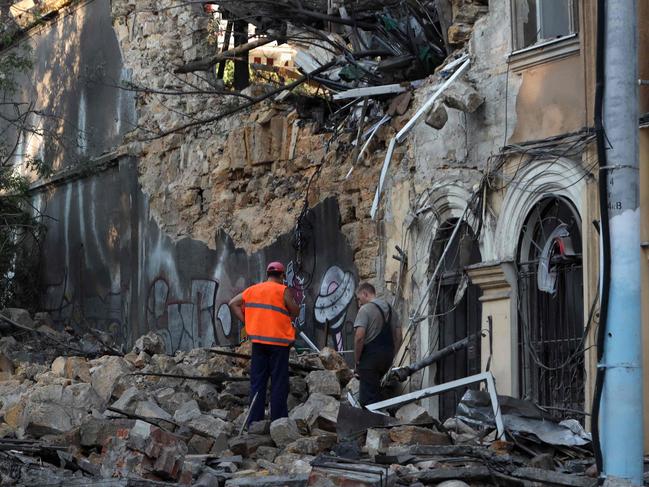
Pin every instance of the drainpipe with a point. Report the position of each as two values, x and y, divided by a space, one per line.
621 414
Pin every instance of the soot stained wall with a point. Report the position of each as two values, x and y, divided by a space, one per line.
106 264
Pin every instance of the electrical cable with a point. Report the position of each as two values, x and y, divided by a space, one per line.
604 233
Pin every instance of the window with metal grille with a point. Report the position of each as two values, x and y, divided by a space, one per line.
457 310
538 21
550 308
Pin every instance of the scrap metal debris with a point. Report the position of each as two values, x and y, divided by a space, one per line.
378 43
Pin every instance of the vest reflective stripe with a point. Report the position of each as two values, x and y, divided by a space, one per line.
269 307
270 339
265 315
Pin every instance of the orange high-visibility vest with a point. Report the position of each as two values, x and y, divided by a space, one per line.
266 318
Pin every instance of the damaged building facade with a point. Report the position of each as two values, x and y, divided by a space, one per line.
475 216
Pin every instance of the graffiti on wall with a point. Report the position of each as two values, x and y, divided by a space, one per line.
333 300
188 322
111 268
297 283
82 308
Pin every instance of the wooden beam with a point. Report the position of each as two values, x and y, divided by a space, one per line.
205 64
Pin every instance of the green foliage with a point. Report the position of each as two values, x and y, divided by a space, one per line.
13 63
20 227
228 74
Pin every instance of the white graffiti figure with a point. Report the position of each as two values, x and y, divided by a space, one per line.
336 293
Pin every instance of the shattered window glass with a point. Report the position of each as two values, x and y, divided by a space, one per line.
538 21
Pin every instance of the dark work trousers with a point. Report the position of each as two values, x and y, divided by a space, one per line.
376 360
268 361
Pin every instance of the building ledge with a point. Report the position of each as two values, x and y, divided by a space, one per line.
545 52
490 277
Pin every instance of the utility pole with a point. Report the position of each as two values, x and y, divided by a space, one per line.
621 415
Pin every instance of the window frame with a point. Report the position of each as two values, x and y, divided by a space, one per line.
517 31
547 49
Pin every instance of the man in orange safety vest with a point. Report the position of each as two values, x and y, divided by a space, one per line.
266 310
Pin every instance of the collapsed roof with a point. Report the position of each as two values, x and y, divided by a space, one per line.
373 42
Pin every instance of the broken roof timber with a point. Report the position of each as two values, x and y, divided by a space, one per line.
401 135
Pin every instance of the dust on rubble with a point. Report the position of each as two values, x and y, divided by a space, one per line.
82 414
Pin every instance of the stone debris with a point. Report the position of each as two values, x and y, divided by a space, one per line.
88 419
437 116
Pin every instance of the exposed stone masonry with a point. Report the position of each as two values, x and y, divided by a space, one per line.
246 174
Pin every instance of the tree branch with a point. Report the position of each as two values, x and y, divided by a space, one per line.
205 64
249 104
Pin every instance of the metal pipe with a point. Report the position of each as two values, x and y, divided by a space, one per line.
402 373
621 415
308 341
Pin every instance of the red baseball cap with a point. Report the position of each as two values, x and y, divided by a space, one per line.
275 267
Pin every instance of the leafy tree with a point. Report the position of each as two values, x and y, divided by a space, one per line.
21 229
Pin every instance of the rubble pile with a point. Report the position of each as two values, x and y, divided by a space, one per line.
148 418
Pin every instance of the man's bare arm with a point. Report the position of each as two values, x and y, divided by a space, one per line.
291 305
359 342
236 306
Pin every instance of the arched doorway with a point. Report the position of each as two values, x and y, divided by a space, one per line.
550 307
457 309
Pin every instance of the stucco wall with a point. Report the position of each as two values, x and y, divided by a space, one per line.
77 67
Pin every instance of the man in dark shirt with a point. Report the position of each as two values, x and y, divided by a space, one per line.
377 337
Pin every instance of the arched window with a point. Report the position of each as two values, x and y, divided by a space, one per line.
457 309
550 307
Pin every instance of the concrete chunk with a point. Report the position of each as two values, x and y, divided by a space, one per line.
104 376
210 426
437 116
149 409
199 445
416 435
41 419
323 382
313 445
97 432
268 453
259 427
6 367
151 343
284 431
187 412
377 441
319 410
332 360
413 413
462 96
246 445
128 400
